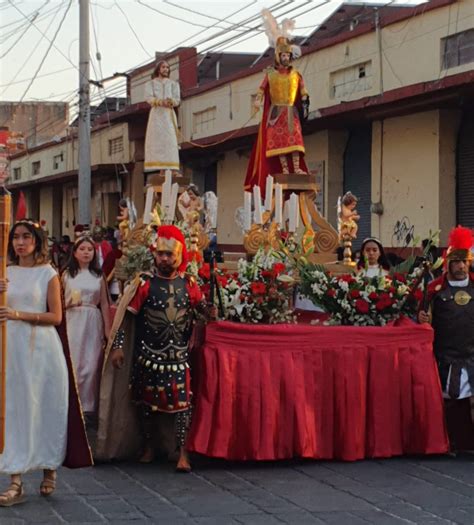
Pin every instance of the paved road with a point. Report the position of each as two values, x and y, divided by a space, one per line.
428 491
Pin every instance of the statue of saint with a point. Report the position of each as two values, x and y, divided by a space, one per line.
161 141
279 147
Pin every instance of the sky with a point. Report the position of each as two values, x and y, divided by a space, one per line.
39 59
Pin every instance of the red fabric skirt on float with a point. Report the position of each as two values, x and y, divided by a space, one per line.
266 392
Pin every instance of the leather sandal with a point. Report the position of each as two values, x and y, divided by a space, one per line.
48 485
13 495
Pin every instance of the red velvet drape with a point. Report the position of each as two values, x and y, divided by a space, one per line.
274 392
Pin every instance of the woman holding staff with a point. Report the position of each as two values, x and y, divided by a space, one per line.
41 408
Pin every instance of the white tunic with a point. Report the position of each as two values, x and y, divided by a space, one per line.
85 329
161 141
36 379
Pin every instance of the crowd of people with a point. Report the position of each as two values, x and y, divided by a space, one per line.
67 359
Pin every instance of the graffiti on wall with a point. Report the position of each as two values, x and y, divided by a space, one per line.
403 233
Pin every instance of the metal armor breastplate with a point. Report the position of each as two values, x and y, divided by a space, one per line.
165 327
453 321
283 87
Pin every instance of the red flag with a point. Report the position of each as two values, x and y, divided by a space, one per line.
20 207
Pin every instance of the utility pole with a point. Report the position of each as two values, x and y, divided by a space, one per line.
84 174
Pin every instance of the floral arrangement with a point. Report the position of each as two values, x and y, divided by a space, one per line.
361 301
257 293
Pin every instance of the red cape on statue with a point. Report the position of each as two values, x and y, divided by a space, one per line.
259 164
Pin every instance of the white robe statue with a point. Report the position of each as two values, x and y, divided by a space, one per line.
161 141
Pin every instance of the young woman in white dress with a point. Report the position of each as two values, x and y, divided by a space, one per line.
372 262
37 385
87 318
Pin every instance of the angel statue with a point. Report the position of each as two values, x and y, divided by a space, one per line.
347 216
279 147
127 218
190 205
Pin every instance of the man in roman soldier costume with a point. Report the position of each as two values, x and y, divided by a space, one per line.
451 300
157 369
279 147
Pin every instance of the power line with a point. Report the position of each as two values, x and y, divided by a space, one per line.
39 30
131 28
171 16
38 76
47 51
32 52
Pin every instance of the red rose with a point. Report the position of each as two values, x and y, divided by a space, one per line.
347 278
331 293
267 274
373 296
354 294
278 268
258 288
399 277
362 306
205 271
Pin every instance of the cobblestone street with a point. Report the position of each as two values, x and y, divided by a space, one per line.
428 491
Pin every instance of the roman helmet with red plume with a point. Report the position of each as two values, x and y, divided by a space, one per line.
171 239
460 242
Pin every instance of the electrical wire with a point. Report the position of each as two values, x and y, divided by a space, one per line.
47 51
32 52
131 29
35 16
141 2
38 76
45 36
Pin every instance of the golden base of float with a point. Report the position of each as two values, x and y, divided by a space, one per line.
319 235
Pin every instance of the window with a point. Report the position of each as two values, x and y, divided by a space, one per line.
57 161
204 120
115 145
36 167
457 49
345 82
16 173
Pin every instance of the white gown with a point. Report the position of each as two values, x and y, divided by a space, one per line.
161 140
36 379
85 329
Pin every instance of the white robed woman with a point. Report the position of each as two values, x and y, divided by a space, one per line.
161 140
37 376
87 317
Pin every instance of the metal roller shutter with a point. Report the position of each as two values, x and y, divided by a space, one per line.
465 172
357 176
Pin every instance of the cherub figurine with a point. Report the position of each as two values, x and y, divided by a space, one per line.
347 216
190 205
124 219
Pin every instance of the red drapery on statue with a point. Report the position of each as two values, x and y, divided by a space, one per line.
283 391
260 165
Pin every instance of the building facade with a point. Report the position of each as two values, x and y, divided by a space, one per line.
392 113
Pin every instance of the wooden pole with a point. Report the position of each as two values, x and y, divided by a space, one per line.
5 209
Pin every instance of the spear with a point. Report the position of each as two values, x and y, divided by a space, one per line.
5 208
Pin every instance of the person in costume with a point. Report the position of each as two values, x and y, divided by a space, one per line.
279 147
87 316
44 426
163 304
450 302
372 260
102 247
161 139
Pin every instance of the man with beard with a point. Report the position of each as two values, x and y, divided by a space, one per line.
451 300
279 147
163 304
161 140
